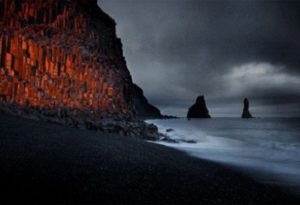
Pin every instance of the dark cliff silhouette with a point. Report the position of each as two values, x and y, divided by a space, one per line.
246 112
199 109
143 108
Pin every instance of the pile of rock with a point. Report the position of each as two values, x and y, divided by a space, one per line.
112 123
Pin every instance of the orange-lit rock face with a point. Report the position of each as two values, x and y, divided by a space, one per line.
56 53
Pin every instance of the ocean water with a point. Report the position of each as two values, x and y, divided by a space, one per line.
266 148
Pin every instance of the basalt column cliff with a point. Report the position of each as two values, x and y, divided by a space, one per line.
62 56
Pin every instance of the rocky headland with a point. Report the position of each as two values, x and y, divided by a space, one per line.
143 108
61 61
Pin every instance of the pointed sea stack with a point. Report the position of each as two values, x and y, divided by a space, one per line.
199 109
246 112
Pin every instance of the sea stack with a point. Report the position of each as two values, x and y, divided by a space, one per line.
246 112
199 109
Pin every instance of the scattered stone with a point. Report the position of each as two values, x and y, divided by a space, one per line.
168 139
169 130
189 141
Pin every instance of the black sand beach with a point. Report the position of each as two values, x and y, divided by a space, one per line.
46 163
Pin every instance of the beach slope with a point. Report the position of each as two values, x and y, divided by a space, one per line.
42 162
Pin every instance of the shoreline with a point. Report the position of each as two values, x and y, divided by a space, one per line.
47 163
204 141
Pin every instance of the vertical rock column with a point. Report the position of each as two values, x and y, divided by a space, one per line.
54 53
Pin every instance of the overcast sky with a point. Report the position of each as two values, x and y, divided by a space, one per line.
225 50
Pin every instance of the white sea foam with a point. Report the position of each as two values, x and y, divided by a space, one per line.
266 148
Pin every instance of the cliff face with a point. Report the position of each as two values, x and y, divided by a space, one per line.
143 108
62 53
199 109
60 60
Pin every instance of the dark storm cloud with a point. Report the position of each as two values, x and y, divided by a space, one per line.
178 49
